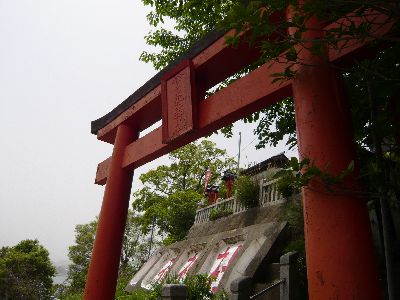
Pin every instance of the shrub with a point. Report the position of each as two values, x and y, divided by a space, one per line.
247 191
217 213
293 214
199 288
222 192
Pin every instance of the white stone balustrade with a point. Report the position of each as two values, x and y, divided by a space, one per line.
268 195
269 192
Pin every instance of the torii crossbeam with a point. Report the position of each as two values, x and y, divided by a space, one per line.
340 258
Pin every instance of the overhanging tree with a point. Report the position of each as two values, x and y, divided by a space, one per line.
193 19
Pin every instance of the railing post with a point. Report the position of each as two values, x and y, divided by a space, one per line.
174 292
288 272
272 193
241 288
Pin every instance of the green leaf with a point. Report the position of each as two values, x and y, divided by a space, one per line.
294 164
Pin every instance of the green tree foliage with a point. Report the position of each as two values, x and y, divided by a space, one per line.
80 254
372 84
192 19
247 191
171 193
293 214
26 271
180 213
135 246
133 255
198 288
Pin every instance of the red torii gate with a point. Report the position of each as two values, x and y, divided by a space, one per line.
340 258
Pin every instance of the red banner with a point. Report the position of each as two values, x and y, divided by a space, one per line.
207 177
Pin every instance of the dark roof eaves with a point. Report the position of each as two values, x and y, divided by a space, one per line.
277 161
199 46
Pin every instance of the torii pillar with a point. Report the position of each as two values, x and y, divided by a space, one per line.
339 251
103 271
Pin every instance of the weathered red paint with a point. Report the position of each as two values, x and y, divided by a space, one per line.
102 172
220 61
349 50
103 270
212 65
255 91
340 258
246 95
140 115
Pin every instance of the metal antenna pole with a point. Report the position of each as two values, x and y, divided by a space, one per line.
151 237
240 144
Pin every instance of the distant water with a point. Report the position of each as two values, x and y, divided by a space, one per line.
59 278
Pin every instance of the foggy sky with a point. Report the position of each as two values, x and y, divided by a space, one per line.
64 63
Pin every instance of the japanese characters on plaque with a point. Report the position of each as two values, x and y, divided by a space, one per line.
178 98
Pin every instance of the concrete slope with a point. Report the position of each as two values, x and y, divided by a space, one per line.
225 249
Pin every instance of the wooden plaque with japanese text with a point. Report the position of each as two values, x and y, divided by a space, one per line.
178 102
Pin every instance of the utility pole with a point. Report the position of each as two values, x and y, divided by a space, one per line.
151 237
240 144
